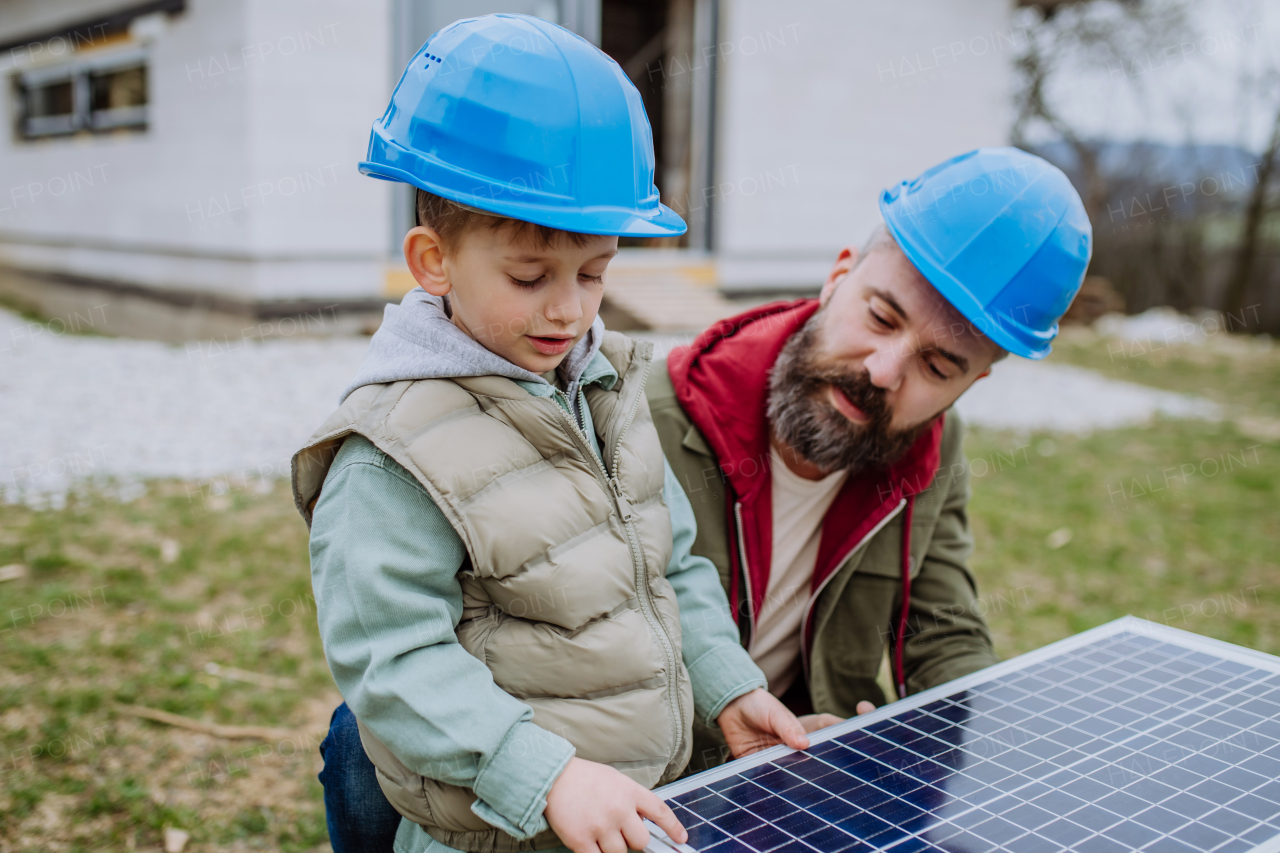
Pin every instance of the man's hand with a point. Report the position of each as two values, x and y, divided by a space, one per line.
813 722
596 809
757 720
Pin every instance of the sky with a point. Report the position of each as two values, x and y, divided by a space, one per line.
1179 86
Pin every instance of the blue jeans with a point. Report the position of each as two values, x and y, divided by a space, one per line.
360 818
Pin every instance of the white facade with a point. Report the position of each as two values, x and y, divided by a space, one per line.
824 103
244 183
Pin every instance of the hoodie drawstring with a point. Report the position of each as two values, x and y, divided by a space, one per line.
900 636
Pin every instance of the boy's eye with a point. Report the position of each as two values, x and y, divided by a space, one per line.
531 283
594 279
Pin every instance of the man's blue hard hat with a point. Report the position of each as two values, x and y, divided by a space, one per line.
516 116
1004 238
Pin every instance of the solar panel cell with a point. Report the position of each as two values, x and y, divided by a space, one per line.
765 838
830 838
703 835
1100 844
731 846
1170 845
1132 835
737 822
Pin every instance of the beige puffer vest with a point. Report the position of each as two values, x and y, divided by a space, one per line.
564 596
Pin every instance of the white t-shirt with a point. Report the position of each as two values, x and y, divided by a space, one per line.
798 509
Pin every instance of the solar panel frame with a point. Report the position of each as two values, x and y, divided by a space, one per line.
987 716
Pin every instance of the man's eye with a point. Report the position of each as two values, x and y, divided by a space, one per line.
933 366
880 320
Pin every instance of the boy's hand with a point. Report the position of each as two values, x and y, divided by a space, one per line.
596 809
757 720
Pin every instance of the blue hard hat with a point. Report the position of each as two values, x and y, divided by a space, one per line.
1004 238
519 117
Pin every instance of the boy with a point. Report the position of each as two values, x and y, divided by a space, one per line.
499 551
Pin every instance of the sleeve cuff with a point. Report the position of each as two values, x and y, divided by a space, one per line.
511 788
720 676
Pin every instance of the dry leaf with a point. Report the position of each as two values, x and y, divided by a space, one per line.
1058 538
13 572
175 840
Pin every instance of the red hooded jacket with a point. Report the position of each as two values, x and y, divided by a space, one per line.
721 382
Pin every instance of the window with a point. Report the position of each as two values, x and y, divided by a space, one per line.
118 98
108 93
49 106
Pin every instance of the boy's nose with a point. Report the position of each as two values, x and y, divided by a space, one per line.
563 306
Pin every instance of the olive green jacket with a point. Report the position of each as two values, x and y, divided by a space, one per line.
855 612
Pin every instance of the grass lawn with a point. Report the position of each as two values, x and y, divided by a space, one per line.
105 620
129 604
1175 523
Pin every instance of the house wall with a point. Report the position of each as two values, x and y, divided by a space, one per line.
244 184
824 103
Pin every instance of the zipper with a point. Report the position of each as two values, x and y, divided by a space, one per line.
746 576
626 514
813 599
642 580
579 434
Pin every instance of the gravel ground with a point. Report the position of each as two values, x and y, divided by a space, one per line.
228 415
75 408
1029 396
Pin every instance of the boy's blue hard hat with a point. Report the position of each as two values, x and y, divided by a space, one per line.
1004 238
519 117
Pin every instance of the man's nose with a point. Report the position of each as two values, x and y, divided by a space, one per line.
887 366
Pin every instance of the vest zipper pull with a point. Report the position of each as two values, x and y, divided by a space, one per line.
624 505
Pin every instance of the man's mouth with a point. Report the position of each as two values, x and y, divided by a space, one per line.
845 406
550 344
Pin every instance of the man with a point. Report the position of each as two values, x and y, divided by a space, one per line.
815 443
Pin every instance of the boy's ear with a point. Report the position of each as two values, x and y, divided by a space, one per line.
424 254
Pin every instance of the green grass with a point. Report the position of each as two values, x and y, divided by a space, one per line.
103 621
1175 523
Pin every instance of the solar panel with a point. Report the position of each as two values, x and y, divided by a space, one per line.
1131 736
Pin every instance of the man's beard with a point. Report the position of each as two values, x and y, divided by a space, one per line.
803 419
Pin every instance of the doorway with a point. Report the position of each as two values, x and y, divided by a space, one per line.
666 48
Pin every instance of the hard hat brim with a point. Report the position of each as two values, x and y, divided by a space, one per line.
605 221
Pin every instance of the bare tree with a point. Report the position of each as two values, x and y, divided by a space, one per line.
1062 36
1258 84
